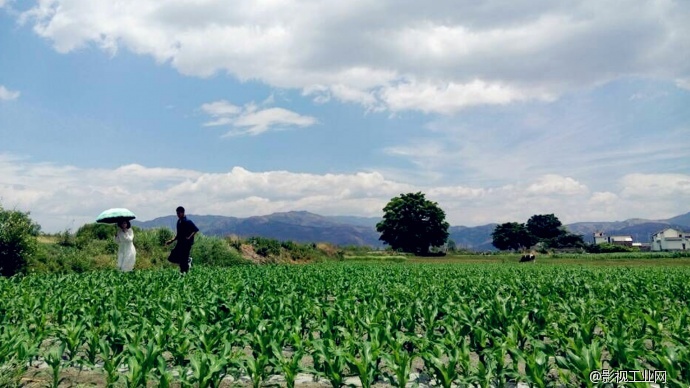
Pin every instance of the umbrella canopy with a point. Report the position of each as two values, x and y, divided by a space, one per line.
115 215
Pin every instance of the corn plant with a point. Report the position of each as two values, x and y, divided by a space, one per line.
54 360
365 365
111 362
71 334
208 369
399 360
581 359
445 373
330 361
165 376
288 365
142 361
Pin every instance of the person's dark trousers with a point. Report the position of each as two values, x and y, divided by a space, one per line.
180 255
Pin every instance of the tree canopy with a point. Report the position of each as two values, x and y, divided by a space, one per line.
512 236
412 223
544 226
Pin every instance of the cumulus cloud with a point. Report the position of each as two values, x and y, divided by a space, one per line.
63 196
249 120
555 184
398 55
7 95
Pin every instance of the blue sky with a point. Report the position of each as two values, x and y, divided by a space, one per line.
497 110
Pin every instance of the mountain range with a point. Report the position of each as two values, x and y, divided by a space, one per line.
305 227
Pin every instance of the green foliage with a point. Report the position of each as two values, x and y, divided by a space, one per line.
512 236
412 224
480 325
299 251
66 239
17 241
265 246
214 252
544 226
61 259
96 231
609 248
146 241
566 240
544 230
163 235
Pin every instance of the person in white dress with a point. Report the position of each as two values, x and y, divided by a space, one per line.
126 253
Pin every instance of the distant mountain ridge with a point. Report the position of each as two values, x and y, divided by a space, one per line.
305 227
298 226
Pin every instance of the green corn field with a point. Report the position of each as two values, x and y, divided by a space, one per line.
380 324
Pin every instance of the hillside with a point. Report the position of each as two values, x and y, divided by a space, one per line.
298 226
302 226
476 238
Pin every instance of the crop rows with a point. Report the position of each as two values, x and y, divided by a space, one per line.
457 324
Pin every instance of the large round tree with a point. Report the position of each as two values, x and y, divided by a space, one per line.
512 236
544 226
412 223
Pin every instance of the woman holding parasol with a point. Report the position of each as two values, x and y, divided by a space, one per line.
124 236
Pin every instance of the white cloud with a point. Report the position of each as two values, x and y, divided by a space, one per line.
555 184
62 196
8 95
383 54
450 97
249 120
603 198
669 187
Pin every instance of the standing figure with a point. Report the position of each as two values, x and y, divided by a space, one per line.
126 253
185 239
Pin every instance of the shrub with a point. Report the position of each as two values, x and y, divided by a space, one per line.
146 240
265 246
96 232
61 259
164 234
214 251
609 248
66 239
17 241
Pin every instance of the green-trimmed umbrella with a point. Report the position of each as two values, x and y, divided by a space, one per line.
115 215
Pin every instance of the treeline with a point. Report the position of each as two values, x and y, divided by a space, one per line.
545 231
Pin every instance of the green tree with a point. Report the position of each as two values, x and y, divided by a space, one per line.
17 241
512 236
412 223
566 240
544 226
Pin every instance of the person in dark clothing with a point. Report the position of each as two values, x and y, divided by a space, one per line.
185 239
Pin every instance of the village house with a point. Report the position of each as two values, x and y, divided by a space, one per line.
601 238
670 239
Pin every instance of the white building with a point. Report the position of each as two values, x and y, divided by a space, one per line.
601 237
670 239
